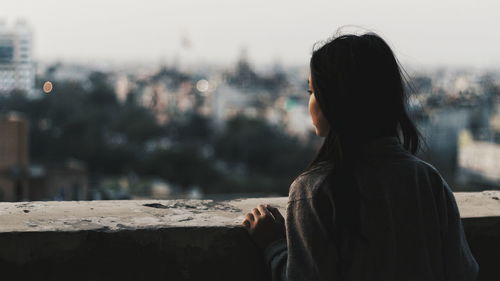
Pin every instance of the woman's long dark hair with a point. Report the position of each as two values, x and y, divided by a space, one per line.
360 88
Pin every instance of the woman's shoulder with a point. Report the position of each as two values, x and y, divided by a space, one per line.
307 184
426 167
402 166
413 167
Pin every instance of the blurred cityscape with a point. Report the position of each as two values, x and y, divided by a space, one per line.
73 131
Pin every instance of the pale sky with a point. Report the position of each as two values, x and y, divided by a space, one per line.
424 32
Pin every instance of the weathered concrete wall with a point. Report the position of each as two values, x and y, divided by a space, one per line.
171 239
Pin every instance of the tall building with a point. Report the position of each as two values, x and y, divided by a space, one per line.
17 69
20 181
14 158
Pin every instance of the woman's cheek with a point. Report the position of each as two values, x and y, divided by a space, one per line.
317 116
311 110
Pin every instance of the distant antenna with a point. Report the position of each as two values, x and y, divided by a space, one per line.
185 40
243 54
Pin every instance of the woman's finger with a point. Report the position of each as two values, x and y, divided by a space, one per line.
256 212
263 210
246 223
250 217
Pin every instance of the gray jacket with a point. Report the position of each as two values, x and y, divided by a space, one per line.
393 219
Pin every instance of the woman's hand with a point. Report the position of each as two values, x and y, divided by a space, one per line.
265 225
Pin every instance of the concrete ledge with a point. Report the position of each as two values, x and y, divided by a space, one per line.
171 239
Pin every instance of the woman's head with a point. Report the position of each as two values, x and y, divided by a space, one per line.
359 89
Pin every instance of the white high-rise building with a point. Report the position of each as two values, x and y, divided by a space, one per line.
17 69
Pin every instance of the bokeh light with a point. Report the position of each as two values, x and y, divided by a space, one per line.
202 85
48 87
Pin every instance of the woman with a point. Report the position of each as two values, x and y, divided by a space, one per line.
366 208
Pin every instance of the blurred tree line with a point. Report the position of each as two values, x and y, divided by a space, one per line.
85 121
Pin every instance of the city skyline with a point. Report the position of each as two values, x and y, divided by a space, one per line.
448 33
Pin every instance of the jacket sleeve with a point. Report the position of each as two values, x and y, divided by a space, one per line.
460 264
276 256
309 252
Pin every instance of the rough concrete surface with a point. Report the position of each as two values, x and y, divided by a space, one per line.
172 239
125 214
132 214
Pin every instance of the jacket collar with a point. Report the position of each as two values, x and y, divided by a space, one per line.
383 145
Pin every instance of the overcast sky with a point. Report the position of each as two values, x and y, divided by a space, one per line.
424 32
